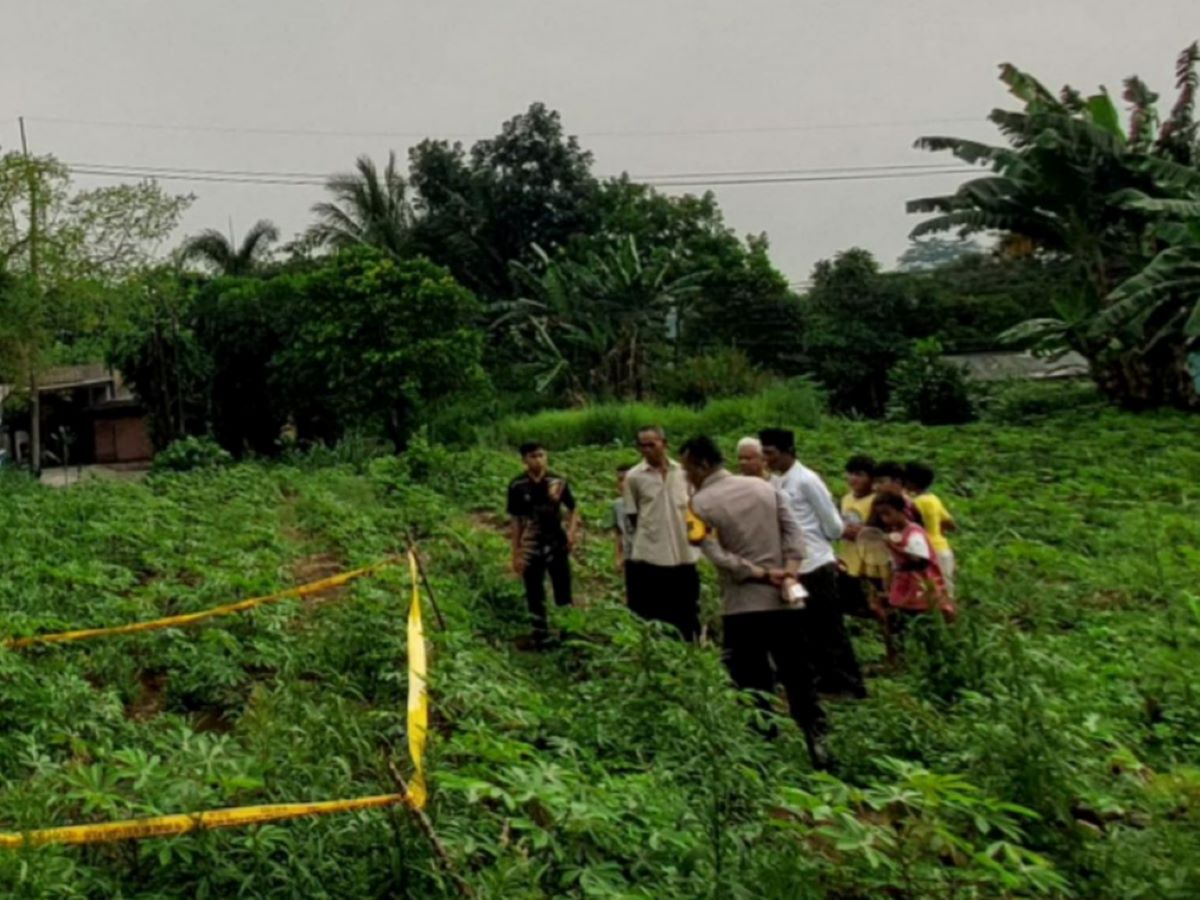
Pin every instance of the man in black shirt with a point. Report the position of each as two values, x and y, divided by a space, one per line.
540 545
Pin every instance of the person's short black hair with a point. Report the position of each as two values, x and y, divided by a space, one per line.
918 475
890 469
895 501
782 439
530 447
861 463
702 449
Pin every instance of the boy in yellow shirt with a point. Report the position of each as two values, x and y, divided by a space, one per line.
856 513
918 479
864 576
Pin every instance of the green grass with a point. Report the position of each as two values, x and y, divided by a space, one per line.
797 402
620 764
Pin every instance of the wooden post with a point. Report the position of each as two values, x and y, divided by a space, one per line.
435 842
35 400
412 546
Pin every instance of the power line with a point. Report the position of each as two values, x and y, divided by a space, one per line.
645 176
882 167
189 170
806 179
180 176
420 135
698 179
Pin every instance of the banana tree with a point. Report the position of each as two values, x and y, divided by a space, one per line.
596 326
1157 310
1084 188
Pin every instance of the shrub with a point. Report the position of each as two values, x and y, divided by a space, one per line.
463 423
928 389
726 373
1020 402
919 834
191 453
356 449
796 402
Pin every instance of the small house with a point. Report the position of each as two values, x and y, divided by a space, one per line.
88 417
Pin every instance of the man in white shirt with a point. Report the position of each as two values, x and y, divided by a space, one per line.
663 582
821 524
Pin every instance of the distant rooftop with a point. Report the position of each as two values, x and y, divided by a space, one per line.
1014 365
62 378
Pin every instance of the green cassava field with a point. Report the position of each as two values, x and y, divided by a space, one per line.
1048 744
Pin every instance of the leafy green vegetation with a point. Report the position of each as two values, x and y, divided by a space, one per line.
1044 745
1117 203
796 401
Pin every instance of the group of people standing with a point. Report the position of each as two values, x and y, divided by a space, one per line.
774 533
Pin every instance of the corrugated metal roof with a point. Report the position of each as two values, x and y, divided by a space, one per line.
1004 366
61 378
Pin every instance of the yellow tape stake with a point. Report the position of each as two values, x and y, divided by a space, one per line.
184 823
304 590
418 694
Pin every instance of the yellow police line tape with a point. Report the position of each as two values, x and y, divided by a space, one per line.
234 817
184 823
304 590
418 691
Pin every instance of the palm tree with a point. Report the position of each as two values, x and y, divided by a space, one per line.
220 254
367 208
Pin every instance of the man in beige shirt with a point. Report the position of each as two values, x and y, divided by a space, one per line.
753 538
663 583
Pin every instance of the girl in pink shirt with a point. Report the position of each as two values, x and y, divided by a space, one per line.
917 582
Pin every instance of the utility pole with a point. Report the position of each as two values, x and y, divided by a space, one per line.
35 404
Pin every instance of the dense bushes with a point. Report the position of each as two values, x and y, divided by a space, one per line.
968 303
191 453
860 322
1024 402
727 373
797 402
360 341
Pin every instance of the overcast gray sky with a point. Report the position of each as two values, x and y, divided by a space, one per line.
653 86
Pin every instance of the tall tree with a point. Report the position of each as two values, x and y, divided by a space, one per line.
369 208
742 302
385 342
224 257
482 210
855 322
159 356
67 253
